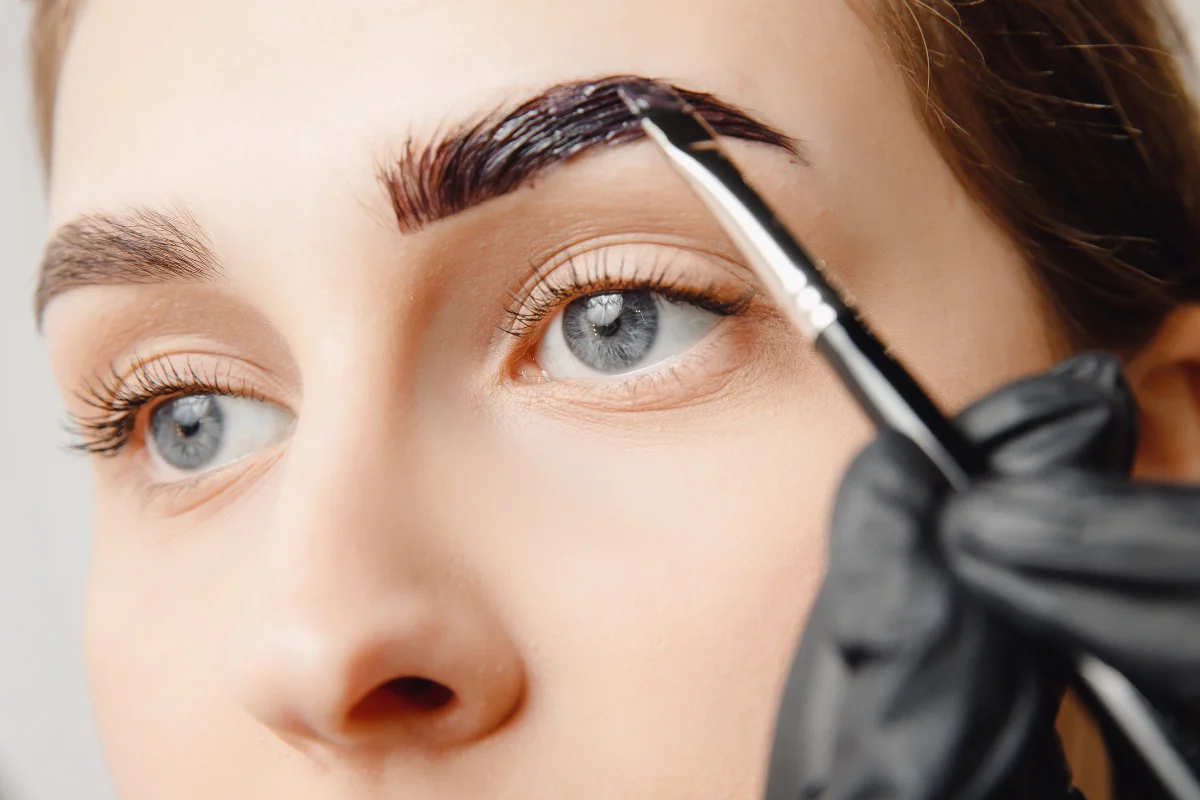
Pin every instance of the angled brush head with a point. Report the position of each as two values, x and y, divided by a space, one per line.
666 116
644 96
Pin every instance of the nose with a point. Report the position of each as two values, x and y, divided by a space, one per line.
363 632
413 671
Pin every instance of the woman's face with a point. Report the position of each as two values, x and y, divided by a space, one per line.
524 501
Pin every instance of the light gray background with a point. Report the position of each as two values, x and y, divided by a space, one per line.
47 745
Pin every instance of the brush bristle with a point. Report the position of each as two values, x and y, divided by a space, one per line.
645 95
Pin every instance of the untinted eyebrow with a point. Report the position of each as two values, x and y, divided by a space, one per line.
142 246
477 162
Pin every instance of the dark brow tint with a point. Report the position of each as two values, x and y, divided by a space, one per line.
475 163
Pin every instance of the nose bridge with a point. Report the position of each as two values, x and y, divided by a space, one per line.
344 482
347 507
346 463
356 633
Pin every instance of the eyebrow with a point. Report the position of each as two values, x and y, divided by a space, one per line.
141 246
497 155
460 169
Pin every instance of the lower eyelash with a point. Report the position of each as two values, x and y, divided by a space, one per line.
594 272
119 399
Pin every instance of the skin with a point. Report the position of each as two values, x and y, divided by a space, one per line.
610 579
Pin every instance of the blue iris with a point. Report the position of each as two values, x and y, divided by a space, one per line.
188 431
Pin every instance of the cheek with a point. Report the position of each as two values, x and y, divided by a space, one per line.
659 575
161 597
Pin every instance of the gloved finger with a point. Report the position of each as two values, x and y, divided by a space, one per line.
885 590
1085 529
1089 565
917 654
1081 413
802 757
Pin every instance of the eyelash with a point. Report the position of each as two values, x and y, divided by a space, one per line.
120 399
584 276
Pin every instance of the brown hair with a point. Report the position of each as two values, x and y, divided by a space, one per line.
48 36
1068 121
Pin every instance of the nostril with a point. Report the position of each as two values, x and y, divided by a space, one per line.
402 697
420 693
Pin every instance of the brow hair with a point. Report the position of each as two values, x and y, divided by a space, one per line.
141 246
474 163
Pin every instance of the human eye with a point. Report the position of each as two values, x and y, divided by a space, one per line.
189 419
623 316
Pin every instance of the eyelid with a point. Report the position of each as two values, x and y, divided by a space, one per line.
669 268
212 489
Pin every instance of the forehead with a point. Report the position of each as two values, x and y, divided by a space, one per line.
157 95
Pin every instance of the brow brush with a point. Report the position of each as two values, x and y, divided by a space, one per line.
884 389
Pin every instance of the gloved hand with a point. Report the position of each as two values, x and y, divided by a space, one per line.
906 687
1093 563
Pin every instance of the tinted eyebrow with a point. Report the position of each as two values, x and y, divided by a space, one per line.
139 247
477 162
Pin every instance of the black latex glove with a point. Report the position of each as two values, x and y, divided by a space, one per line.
904 687
1094 563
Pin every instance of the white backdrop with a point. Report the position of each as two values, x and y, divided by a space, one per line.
47 746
